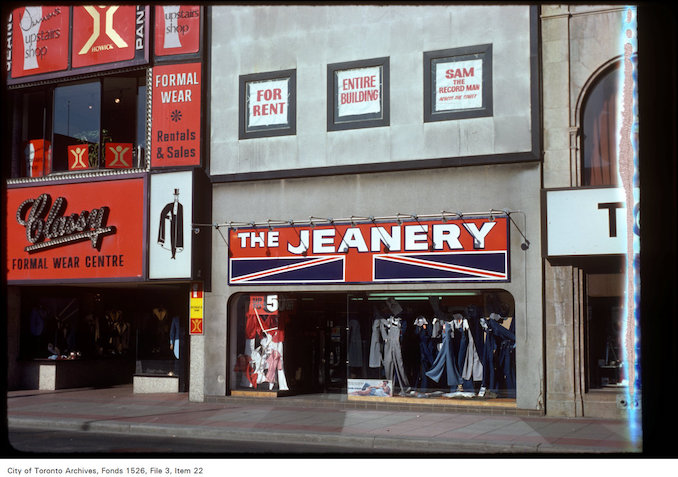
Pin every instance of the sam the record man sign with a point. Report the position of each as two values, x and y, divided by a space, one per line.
79 231
458 83
464 250
176 126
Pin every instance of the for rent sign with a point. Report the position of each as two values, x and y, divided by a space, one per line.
464 250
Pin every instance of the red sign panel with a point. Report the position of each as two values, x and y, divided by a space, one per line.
177 29
176 115
464 250
39 40
84 231
78 157
38 158
103 34
119 155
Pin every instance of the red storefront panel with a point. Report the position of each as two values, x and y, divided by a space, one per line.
39 39
84 231
177 29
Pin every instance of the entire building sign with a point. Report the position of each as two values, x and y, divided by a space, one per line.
458 83
176 101
81 231
597 214
358 94
463 250
177 29
359 91
39 40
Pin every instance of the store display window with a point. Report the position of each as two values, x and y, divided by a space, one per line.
447 344
82 126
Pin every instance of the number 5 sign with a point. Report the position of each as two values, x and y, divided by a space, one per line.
196 308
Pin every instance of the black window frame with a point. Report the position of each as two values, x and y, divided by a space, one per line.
432 58
358 121
18 167
290 129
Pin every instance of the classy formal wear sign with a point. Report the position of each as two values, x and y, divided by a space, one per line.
89 230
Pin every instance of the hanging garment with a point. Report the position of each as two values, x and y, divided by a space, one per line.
472 369
273 365
426 350
376 357
445 363
393 359
507 340
355 344
175 336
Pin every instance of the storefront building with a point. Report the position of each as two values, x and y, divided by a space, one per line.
585 273
102 190
367 201
376 205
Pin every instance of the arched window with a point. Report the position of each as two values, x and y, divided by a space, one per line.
599 131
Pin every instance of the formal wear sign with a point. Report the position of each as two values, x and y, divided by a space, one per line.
176 125
468 250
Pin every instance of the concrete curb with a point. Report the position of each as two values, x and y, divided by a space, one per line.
405 445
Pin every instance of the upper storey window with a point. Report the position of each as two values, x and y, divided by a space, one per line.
90 125
599 128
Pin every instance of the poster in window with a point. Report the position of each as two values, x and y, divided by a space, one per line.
459 85
104 34
177 29
359 91
39 39
267 103
176 115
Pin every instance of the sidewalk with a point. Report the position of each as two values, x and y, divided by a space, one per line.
119 410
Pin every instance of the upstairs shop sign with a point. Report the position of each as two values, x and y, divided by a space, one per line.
461 250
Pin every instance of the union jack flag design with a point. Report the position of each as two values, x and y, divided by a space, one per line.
455 266
316 269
